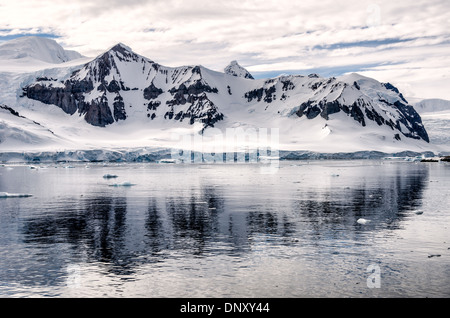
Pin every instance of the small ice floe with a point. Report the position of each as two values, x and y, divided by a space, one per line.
14 195
362 221
109 176
268 158
124 184
167 161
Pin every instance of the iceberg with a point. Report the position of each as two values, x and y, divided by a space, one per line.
124 184
362 221
14 195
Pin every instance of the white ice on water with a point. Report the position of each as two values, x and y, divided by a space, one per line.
14 195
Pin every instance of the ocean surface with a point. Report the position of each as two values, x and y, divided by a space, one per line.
304 229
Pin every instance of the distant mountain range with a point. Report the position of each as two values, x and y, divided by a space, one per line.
121 91
36 48
432 105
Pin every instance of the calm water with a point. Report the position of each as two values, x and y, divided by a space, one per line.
226 230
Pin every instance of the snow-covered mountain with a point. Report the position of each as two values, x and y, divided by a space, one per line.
432 105
236 70
37 48
121 98
435 114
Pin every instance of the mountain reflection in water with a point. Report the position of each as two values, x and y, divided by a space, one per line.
214 212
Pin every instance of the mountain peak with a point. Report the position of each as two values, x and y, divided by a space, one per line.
235 69
124 53
120 47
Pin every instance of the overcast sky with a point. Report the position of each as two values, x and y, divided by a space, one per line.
406 43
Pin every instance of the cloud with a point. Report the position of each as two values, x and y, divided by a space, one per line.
262 35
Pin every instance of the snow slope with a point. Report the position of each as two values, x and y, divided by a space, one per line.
435 115
33 53
17 131
38 48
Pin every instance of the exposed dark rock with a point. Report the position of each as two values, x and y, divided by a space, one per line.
44 78
412 120
373 115
152 92
258 94
194 89
429 160
356 112
98 113
269 94
311 110
178 99
329 108
119 108
316 85
153 105
287 85
12 111
394 89
113 87
255 94
68 98
196 70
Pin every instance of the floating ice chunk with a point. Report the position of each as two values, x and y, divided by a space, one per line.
268 158
124 184
14 195
109 176
167 161
362 221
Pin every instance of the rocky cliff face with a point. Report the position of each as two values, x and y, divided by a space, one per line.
120 85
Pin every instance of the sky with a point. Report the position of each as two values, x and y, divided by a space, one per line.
402 42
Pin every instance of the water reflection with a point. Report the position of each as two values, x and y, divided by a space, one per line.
122 232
